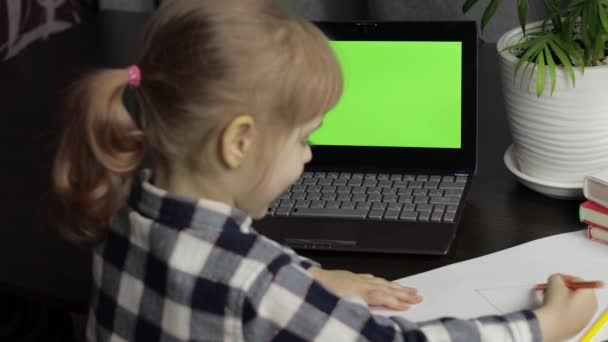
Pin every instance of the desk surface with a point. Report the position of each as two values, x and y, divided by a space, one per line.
499 212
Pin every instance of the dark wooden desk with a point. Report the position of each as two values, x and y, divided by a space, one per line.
500 213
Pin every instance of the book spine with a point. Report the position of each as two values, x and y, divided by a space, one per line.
593 213
592 237
595 225
590 205
598 201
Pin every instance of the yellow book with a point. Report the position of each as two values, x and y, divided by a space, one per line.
600 327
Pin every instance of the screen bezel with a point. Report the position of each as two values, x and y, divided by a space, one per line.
450 160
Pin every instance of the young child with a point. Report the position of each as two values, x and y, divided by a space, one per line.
228 93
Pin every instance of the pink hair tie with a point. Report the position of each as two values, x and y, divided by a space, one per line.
134 75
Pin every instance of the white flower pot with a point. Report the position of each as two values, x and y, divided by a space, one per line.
559 138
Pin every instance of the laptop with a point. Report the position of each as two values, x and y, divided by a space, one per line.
393 161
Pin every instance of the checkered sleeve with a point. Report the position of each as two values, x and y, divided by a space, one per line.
287 304
305 262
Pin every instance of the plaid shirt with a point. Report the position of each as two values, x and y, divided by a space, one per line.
176 269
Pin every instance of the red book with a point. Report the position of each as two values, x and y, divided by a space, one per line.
599 234
593 214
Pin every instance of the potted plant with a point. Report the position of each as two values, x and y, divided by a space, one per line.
555 85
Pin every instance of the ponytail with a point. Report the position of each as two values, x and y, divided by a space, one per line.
99 151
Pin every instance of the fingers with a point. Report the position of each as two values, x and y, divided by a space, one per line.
410 298
563 279
381 292
567 277
385 282
406 291
381 297
391 297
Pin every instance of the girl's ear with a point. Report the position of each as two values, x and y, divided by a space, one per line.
235 141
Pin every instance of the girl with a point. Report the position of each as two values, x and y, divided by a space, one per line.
228 93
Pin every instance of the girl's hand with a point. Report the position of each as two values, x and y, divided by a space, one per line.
375 291
565 312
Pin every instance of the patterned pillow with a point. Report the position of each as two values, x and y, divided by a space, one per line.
23 22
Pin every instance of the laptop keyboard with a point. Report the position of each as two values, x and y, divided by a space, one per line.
372 196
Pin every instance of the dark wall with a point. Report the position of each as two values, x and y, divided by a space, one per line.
24 22
505 19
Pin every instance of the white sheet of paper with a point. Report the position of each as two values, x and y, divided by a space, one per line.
513 298
501 282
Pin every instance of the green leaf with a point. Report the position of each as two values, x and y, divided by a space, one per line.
590 27
528 59
489 12
603 16
569 47
593 22
523 72
570 23
540 76
600 43
524 45
528 56
534 66
551 65
584 25
565 60
467 5
578 3
574 4
553 9
522 12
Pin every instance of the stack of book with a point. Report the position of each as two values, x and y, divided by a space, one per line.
594 212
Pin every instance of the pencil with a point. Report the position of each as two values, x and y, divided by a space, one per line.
596 327
574 285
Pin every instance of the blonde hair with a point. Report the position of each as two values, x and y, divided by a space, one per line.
203 63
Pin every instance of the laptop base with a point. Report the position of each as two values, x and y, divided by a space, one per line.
399 237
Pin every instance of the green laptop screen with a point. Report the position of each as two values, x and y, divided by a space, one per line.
396 94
